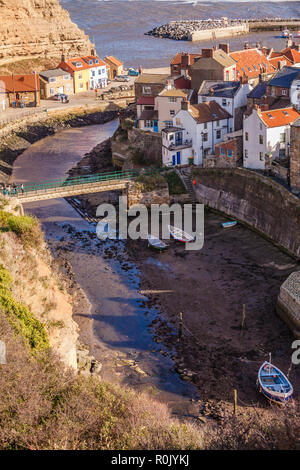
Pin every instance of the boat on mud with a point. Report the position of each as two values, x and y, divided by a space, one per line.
229 224
285 33
156 244
180 235
274 384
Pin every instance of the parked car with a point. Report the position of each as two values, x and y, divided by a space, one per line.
122 78
133 72
60 97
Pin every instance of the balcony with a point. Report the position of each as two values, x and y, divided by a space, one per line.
180 144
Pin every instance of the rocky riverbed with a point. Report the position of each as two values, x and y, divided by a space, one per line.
210 287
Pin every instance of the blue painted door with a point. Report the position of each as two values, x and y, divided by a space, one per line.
178 158
174 160
155 126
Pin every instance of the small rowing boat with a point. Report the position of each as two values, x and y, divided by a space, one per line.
229 224
285 33
156 243
274 384
180 235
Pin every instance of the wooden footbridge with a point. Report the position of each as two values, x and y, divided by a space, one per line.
75 186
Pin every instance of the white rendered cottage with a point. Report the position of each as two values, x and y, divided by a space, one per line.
266 136
196 129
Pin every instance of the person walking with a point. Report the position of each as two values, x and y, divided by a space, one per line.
22 188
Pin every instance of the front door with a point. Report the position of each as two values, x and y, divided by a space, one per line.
178 158
173 160
155 126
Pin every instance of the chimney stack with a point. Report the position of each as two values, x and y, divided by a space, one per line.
207 53
246 45
63 58
225 47
93 52
185 58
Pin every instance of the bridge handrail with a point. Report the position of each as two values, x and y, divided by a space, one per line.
83 179
57 184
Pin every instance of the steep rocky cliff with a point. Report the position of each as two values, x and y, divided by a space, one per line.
38 28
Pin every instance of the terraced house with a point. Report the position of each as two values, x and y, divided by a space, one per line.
55 81
88 72
266 136
195 132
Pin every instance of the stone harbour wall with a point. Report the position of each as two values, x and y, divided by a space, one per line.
258 201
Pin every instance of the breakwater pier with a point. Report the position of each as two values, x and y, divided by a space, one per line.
212 29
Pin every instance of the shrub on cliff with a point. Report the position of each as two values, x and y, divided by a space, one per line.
44 406
151 182
25 227
176 186
19 316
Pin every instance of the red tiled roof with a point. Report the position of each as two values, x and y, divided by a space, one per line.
207 112
280 58
20 83
279 117
71 64
145 100
291 54
251 63
113 59
93 58
177 60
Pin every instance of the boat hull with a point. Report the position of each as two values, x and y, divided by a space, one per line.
273 384
229 224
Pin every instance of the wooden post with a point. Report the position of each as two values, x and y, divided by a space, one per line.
235 401
180 326
243 317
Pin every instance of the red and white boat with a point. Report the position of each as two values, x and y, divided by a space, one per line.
180 235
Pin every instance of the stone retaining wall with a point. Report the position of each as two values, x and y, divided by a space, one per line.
258 201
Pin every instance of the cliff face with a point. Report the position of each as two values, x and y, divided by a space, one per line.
38 28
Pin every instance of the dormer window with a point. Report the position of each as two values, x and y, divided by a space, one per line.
90 62
78 64
285 113
270 115
96 61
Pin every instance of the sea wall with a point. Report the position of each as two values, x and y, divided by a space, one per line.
255 200
219 33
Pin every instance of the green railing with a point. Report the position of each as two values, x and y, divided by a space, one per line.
102 178
57 185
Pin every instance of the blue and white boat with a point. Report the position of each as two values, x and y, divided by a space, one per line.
229 224
274 384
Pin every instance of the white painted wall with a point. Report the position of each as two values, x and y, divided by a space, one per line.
193 131
239 100
295 93
272 144
254 126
